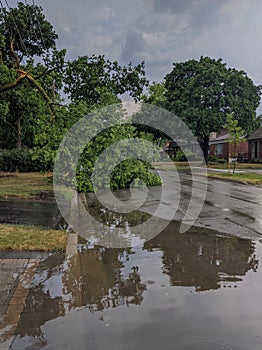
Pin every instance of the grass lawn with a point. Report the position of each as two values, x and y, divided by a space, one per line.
238 166
253 179
25 186
27 238
171 165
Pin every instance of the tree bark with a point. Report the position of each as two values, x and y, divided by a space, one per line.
18 140
205 147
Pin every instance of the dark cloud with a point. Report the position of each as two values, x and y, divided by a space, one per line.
133 46
176 6
160 31
207 13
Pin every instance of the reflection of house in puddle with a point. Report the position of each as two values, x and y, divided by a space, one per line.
203 260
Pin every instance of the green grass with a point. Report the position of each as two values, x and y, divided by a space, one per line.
254 179
171 165
28 238
238 166
25 186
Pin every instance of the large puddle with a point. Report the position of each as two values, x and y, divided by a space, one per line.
198 290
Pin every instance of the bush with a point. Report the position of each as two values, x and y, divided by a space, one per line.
212 159
130 171
185 156
133 171
221 160
215 159
18 159
180 156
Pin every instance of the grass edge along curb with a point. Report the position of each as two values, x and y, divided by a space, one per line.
245 178
31 238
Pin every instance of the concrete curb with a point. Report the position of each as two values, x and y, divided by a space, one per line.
71 246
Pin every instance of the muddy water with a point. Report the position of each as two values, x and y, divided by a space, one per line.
192 291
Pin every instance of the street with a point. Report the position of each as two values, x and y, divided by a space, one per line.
229 207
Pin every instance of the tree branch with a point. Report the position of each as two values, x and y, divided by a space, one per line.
13 52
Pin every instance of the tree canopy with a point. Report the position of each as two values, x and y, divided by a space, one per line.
26 33
43 95
87 78
202 92
33 72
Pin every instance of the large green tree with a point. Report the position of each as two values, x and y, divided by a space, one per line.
32 75
87 78
26 33
29 91
155 95
202 92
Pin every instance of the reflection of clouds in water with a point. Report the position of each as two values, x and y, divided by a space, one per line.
107 280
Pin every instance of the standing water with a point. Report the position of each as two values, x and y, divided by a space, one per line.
191 291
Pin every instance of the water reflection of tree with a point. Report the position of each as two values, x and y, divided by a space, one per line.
92 279
109 217
203 260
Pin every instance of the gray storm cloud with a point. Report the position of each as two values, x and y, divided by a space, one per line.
134 44
172 5
161 31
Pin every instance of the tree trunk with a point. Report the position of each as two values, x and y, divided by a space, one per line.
18 139
205 147
235 155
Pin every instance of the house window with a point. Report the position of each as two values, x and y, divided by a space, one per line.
219 148
254 150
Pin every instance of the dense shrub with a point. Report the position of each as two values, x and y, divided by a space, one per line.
215 159
221 160
130 171
18 159
180 156
185 156
133 171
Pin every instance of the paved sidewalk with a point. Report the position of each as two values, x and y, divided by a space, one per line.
16 272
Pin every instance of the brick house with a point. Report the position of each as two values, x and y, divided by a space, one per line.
221 148
255 146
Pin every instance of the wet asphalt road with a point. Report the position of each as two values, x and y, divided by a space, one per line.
35 213
229 207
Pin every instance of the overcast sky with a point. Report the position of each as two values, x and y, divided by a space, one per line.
161 32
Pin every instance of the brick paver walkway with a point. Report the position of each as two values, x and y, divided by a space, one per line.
16 273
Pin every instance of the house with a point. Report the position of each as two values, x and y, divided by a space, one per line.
255 146
172 147
220 147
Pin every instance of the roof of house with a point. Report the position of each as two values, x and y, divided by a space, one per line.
220 139
256 135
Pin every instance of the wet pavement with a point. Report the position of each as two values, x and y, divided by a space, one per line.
229 207
36 213
16 274
198 290
185 291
